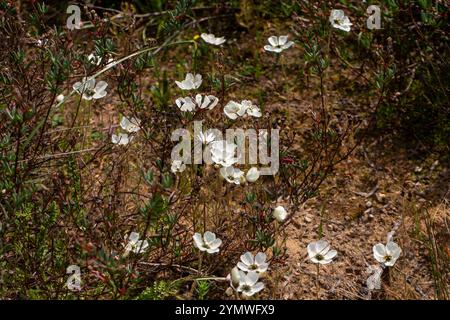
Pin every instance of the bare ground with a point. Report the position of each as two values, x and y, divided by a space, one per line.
370 195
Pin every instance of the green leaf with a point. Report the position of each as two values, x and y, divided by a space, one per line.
167 181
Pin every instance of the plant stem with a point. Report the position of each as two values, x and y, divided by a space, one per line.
278 59
389 279
200 260
317 281
211 278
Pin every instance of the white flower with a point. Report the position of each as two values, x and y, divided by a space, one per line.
206 101
185 104
252 175
94 59
319 252
177 166
130 125
278 44
135 245
60 98
255 264
279 213
89 90
388 254
233 110
248 283
222 153
41 43
190 82
207 137
234 277
210 38
339 20
97 60
251 109
121 138
231 174
208 242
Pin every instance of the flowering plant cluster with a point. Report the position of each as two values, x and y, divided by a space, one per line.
153 155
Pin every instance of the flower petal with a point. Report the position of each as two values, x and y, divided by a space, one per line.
134 237
210 250
330 255
272 49
77 86
247 258
322 247
257 287
312 250
140 246
260 258
379 252
263 267
243 266
180 85
198 100
198 240
205 103
100 86
313 259
214 102
89 83
99 94
144 245
252 174
216 243
389 263
120 139
197 81
287 45
251 278
209 237
393 250
273 40
282 40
